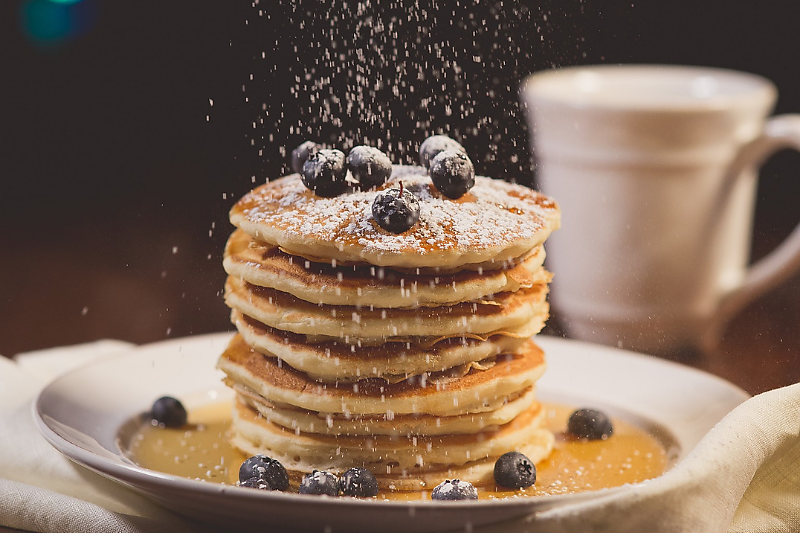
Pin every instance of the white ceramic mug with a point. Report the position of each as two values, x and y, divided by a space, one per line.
655 171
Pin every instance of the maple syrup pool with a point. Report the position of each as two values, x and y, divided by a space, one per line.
201 451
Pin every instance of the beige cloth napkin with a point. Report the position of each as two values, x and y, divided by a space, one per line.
743 477
41 490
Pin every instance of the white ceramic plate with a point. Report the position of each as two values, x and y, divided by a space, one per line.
81 413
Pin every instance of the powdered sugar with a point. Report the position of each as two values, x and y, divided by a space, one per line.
493 214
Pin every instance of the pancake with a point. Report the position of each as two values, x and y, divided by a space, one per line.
303 453
406 452
486 266
339 361
436 394
522 331
494 222
266 265
285 312
304 421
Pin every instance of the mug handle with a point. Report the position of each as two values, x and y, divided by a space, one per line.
779 133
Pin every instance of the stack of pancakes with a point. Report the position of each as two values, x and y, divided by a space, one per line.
409 354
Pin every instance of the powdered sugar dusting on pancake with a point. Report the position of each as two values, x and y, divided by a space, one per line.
492 216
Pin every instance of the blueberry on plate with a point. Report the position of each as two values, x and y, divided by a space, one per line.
324 172
434 144
395 210
301 153
452 173
454 489
369 166
267 469
255 483
320 482
514 470
168 412
358 482
590 424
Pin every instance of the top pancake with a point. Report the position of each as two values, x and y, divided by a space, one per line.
493 223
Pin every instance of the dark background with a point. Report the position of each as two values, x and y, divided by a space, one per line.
130 127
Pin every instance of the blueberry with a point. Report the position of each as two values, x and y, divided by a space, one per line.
454 489
515 471
320 482
395 210
324 172
168 412
431 147
369 166
358 482
255 483
590 424
267 469
301 153
452 173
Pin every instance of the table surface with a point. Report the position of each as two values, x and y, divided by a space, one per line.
760 348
